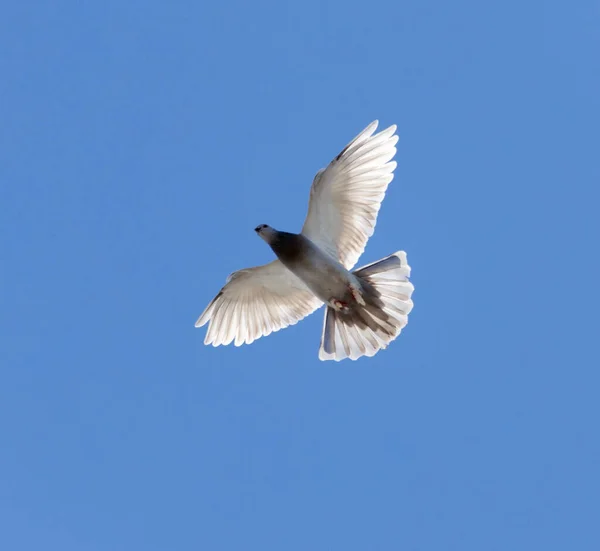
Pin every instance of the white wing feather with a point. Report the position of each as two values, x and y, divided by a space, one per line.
346 196
255 302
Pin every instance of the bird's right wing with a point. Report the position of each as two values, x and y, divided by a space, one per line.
254 303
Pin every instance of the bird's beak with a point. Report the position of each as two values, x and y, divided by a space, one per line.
257 229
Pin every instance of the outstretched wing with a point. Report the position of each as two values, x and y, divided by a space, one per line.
254 303
346 196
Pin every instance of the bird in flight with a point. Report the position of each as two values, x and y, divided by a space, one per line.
367 308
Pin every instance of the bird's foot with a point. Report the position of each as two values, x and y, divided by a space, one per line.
338 305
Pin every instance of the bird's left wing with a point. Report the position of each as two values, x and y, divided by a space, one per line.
346 196
255 302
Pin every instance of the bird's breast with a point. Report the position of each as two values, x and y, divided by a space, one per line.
323 275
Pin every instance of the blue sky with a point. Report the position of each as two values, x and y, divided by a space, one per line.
141 143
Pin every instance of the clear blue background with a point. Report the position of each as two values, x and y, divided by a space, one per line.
141 143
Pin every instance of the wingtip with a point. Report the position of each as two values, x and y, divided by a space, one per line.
200 322
373 126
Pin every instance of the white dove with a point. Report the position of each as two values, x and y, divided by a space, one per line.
366 308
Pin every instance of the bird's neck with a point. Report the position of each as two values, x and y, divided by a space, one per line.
287 246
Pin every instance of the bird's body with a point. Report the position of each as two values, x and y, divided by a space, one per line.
321 273
366 308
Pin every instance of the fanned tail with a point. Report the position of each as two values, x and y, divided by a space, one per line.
364 330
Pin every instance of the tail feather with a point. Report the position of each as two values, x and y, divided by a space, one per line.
365 330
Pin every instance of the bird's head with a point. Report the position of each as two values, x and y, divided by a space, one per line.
267 233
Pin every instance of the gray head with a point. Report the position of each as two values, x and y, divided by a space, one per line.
267 233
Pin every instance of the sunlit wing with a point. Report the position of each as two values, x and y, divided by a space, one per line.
346 196
255 302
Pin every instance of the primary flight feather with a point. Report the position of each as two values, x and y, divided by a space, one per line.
366 308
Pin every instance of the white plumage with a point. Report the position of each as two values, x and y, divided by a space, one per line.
367 308
346 196
256 302
390 276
